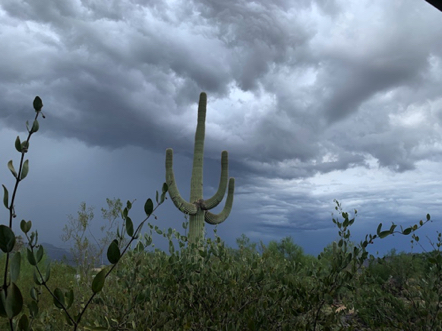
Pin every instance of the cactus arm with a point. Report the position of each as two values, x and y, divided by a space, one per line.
221 217
179 202
196 182
219 195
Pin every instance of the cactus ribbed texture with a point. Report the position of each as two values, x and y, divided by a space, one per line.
198 208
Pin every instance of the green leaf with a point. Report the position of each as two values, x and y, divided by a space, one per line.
148 207
113 252
163 196
139 247
69 298
23 323
156 196
31 257
37 279
393 226
15 267
35 127
98 282
38 104
18 144
25 170
129 227
40 253
171 247
124 213
7 239
25 226
11 168
407 231
148 241
379 228
48 273
384 234
128 205
5 196
428 217
165 188
2 304
33 293
13 301
59 302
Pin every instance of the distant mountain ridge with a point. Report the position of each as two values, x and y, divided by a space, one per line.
55 253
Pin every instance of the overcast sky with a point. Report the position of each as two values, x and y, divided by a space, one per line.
313 100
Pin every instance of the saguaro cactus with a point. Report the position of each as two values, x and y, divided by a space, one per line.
198 208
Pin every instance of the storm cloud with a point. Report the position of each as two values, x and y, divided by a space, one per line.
301 93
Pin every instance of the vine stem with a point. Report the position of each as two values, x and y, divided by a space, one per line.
11 206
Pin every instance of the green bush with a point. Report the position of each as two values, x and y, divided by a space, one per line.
402 291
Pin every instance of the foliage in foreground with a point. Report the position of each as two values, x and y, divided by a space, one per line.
278 289
11 296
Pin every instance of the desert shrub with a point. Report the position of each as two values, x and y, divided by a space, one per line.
396 269
220 288
401 292
224 289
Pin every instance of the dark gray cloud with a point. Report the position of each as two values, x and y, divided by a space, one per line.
146 61
297 90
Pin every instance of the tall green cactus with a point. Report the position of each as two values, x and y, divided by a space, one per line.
198 208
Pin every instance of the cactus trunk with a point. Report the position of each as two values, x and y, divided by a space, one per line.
198 208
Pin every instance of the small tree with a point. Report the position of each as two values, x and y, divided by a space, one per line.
84 253
285 249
